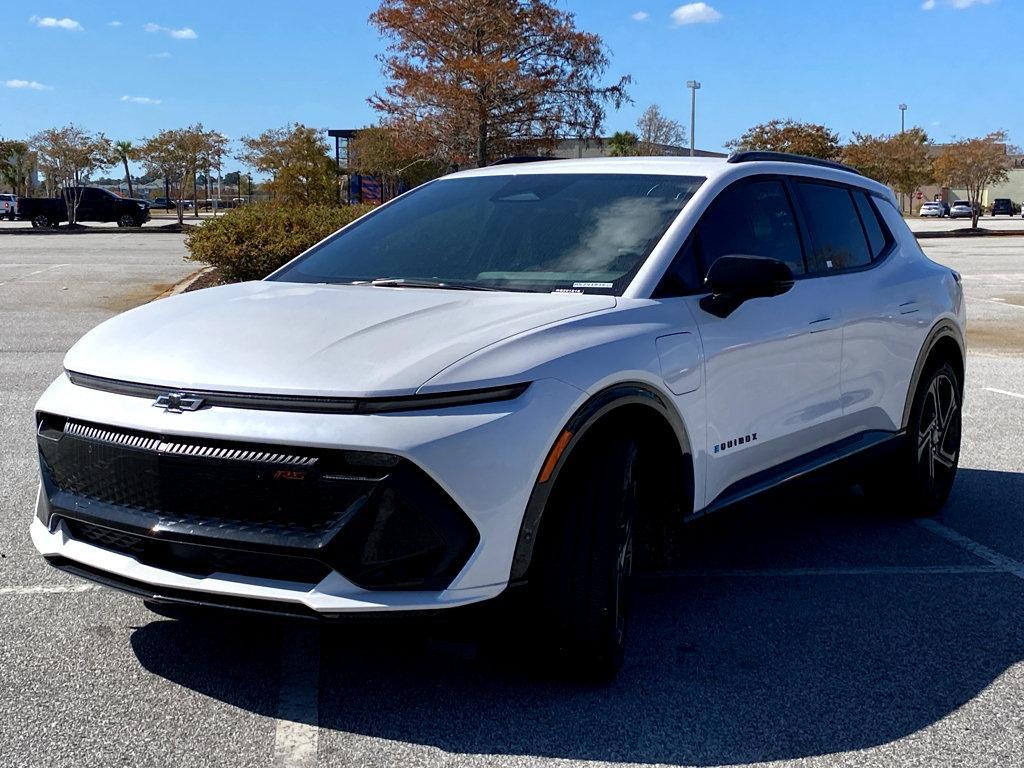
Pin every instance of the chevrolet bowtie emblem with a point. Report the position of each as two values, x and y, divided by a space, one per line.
178 402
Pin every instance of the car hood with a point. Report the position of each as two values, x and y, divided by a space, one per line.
291 338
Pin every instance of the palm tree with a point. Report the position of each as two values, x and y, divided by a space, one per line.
123 151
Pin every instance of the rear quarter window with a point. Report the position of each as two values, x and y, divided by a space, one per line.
837 235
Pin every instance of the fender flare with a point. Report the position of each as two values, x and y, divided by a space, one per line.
941 330
595 408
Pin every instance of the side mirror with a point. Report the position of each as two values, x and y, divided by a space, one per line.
735 278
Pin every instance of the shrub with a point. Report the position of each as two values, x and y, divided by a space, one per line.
250 242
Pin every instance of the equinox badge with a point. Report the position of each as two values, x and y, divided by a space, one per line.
178 402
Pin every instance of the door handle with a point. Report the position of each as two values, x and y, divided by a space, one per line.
821 324
908 307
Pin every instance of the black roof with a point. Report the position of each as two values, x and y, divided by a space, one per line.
786 157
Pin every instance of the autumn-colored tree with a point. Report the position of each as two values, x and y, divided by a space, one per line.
901 160
177 154
298 160
67 156
623 144
472 80
972 165
16 162
656 131
810 139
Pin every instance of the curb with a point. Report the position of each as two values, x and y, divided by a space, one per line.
969 233
182 285
162 229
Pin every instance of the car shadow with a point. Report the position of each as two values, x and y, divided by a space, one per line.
733 657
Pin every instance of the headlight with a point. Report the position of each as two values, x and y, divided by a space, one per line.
142 205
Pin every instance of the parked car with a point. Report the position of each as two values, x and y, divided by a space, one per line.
8 206
162 202
932 208
962 209
94 205
492 384
1002 206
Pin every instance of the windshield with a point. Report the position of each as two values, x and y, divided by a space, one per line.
527 232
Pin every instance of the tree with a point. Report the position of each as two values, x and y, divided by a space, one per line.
298 159
810 139
378 151
176 154
901 160
972 165
67 156
123 151
623 144
656 131
15 165
471 80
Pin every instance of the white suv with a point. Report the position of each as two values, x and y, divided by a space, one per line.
494 381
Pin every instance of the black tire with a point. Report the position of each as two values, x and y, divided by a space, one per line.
917 481
127 220
42 221
585 558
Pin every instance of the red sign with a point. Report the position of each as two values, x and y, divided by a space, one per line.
920 194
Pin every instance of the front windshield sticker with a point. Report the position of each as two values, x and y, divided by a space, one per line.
592 285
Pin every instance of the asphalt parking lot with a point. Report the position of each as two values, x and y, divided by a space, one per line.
805 629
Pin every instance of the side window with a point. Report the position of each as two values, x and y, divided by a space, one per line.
751 218
837 237
878 237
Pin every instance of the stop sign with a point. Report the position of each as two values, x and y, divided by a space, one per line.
920 194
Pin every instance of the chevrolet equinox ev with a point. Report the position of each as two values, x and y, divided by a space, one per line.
489 383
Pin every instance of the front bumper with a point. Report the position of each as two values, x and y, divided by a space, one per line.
485 457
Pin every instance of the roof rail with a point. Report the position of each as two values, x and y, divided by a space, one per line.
520 159
786 157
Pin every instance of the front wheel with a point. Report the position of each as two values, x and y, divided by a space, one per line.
42 221
585 558
919 480
127 220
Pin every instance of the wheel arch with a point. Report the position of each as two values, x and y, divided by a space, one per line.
648 410
944 342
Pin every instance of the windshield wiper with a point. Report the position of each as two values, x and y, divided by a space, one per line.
418 283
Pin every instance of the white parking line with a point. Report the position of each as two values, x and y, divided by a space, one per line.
297 732
828 571
37 272
1003 392
41 589
1003 562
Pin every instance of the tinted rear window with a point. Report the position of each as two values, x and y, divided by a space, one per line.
878 236
837 237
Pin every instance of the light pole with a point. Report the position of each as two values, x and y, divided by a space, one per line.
693 85
903 118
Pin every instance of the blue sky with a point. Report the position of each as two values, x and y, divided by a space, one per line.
129 68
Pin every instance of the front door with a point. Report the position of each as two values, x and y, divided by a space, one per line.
772 366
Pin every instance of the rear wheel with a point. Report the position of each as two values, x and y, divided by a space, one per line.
918 482
585 558
42 221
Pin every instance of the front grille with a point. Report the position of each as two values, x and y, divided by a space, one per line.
200 506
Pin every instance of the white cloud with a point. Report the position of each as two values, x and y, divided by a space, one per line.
640 16
929 5
30 84
695 13
140 100
185 33
114 23
51 22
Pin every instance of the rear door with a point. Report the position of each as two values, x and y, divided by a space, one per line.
772 365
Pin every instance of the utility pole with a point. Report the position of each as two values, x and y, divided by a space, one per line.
693 85
903 118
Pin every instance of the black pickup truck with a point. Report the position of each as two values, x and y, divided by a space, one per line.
94 205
